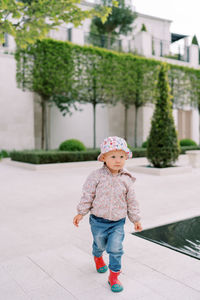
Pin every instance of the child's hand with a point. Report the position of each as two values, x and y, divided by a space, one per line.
138 226
77 219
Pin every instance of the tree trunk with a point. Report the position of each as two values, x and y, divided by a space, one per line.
199 126
125 122
94 125
44 135
43 122
46 127
94 111
136 114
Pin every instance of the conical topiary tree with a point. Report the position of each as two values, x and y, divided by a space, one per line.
143 28
195 41
162 147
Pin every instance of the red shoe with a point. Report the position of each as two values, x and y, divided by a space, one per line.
115 284
100 264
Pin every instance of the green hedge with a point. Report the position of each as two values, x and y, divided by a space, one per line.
139 152
187 142
4 154
72 145
188 148
46 157
52 156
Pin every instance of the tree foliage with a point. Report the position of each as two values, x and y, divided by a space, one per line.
162 146
118 22
47 69
136 84
195 92
67 74
180 86
30 20
95 80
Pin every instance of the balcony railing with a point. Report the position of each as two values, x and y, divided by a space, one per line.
176 51
102 41
160 48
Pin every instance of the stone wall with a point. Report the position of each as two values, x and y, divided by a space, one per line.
16 109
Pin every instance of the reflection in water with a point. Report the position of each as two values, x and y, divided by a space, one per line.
182 236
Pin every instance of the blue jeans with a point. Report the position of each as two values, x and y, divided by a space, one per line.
108 235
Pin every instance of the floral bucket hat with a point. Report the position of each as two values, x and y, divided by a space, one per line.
114 143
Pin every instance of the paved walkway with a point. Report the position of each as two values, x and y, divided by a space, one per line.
44 257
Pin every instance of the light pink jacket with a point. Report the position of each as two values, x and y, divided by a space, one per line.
108 196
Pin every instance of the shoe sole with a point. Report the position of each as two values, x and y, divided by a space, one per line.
102 269
116 291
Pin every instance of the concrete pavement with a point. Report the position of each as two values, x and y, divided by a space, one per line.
43 256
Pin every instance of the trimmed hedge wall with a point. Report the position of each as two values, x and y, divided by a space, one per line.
138 152
52 156
188 148
47 157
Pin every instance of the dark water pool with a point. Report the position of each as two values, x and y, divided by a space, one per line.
182 236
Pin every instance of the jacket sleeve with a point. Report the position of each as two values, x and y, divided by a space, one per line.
88 194
133 210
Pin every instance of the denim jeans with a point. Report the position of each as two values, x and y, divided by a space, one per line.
108 235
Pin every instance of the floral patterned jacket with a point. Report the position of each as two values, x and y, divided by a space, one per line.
109 196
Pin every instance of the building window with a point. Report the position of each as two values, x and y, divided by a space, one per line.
161 48
69 34
153 46
5 44
119 45
188 54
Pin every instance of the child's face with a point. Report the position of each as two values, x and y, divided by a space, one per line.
115 160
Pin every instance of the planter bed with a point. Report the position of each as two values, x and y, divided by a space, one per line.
194 158
49 167
161 171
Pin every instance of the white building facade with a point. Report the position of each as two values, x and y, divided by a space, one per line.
20 114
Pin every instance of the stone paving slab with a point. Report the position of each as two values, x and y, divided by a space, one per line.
43 256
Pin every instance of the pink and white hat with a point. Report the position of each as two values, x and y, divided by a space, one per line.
114 143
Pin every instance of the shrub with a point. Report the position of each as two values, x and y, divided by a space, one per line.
129 146
144 144
143 28
72 145
187 142
163 148
4 154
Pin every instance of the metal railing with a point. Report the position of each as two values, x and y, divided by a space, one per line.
160 47
102 41
166 49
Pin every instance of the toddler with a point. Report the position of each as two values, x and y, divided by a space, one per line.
108 194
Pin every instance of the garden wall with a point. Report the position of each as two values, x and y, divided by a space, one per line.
16 109
110 122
